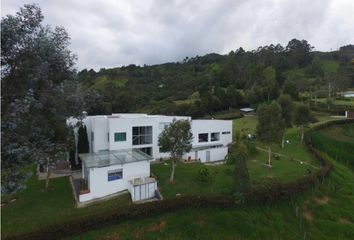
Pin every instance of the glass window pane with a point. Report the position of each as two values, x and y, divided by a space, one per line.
120 137
203 137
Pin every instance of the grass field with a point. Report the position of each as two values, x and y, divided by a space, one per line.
338 142
349 102
103 82
35 208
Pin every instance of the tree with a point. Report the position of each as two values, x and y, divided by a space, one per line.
286 105
269 82
290 88
36 67
241 172
302 117
177 140
270 126
83 143
298 53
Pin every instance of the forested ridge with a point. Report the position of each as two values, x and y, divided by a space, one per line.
206 84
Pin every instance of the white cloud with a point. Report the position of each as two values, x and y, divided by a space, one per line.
114 33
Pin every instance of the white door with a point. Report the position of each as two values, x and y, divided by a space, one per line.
196 155
208 156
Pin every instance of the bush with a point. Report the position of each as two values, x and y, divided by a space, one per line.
204 174
251 147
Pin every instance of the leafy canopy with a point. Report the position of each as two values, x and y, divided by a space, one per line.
176 138
270 126
38 92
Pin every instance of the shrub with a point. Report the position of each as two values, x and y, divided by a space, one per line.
251 147
204 174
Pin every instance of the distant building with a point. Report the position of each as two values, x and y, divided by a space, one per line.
248 111
349 114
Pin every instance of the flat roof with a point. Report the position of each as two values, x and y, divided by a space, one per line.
246 109
115 157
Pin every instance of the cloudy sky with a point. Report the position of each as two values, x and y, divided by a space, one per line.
112 33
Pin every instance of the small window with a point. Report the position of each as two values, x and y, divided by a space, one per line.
203 137
92 136
224 133
115 174
215 136
120 137
108 137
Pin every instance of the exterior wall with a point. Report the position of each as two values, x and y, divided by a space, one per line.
216 154
100 186
125 125
211 126
143 191
99 128
103 125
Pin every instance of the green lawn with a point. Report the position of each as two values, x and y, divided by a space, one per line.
293 163
294 150
187 182
35 208
349 102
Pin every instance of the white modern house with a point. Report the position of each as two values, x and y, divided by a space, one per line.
122 146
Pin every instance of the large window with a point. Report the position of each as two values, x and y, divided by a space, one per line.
215 136
202 137
142 135
120 137
147 150
115 174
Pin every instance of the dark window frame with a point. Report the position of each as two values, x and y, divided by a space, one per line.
203 138
116 137
215 139
142 135
113 175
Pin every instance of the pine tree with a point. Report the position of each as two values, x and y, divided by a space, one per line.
241 171
83 144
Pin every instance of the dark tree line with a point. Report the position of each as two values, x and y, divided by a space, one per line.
206 84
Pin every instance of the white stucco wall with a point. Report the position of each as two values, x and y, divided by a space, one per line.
100 186
211 126
99 128
216 154
101 125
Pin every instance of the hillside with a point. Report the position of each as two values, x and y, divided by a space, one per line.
206 84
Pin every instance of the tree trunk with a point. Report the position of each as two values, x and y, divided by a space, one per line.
329 95
48 175
315 96
269 154
282 141
302 133
174 162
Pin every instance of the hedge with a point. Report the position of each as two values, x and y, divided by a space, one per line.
268 193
